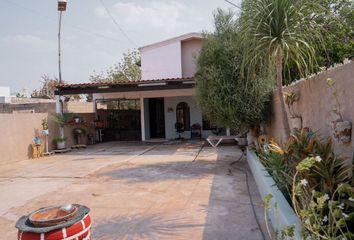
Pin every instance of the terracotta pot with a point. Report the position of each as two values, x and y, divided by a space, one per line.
342 130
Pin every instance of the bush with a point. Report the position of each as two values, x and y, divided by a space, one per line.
224 96
315 181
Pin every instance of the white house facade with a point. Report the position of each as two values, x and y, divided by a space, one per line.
160 106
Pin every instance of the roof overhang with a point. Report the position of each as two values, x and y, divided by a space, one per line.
126 86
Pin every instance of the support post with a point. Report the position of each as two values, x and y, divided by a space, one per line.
142 119
58 104
228 132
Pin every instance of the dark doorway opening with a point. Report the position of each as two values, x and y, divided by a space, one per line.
157 117
121 119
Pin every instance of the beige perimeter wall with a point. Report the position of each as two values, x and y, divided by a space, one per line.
19 129
316 102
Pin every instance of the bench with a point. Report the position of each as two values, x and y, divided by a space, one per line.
218 139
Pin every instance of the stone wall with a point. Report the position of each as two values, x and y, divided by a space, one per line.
316 103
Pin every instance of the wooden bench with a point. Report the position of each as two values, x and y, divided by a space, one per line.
218 139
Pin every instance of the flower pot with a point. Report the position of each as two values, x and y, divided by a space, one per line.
61 145
296 122
342 130
77 120
45 132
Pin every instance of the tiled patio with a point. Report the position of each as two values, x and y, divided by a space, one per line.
138 191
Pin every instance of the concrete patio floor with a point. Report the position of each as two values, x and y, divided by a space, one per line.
139 191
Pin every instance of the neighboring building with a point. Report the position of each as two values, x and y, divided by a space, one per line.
161 105
5 96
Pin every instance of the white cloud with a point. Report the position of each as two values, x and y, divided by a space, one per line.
155 14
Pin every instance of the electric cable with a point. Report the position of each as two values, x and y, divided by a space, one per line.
117 24
40 14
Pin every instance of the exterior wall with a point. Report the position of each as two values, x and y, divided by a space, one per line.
19 129
170 118
316 103
161 61
190 52
5 95
145 94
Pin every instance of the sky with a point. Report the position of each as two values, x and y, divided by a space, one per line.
91 40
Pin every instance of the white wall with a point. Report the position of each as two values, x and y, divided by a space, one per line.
190 52
5 96
161 61
170 118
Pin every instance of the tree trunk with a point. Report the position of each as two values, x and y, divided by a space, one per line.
279 70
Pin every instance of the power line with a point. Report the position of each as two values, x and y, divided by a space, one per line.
40 14
116 23
233 4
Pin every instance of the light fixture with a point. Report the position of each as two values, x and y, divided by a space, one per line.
62 5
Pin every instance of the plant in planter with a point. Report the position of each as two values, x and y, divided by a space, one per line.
60 143
61 119
78 133
45 130
295 118
341 129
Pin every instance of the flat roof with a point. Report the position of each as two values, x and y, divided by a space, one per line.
125 86
184 37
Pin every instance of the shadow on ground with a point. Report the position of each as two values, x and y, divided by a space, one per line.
141 227
162 171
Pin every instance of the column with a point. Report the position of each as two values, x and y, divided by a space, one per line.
142 119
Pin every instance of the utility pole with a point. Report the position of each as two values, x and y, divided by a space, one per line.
61 8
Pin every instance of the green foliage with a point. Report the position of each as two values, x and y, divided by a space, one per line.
127 69
79 132
284 26
44 124
339 29
47 89
317 182
225 97
62 118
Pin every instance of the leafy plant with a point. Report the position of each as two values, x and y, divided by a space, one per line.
62 119
275 33
44 124
323 215
290 99
224 96
78 132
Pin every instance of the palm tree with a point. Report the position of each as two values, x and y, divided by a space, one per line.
276 33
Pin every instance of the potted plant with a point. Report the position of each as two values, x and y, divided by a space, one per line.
45 130
341 129
295 119
76 119
78 133
61 119
60 143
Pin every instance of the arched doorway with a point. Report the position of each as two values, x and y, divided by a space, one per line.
183 116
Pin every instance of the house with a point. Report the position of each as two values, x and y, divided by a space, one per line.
160 106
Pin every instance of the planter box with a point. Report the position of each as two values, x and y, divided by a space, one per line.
284 215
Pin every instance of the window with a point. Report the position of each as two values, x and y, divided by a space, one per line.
183 116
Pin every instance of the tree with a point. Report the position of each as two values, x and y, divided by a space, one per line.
47 89
225 98
339 29
276 33
127 69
